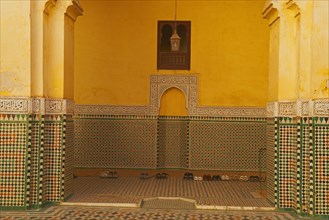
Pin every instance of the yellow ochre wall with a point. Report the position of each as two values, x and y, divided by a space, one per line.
15 67
116 47
320 53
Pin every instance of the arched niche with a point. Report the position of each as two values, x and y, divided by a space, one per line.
187 84
173 102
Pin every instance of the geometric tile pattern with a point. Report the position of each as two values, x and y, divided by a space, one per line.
302 167
288 164
36 145
111 213
14 146
217 143
31 159
270 162
68 154
53 158
226 144
110 141
172 142
276 163
311 178
305 164
321 163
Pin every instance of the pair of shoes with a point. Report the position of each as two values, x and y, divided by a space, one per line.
225 177
188 176
198 178
216 178
144 176
108 174
207 177
161 176
254 179
243 178
104 174
234 177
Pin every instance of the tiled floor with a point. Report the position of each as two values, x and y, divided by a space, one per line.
146 195
134 190
111 213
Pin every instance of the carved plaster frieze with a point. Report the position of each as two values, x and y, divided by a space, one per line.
54 106
302 108
287 109
231 111
15 105
188 84
320 107
35 105
173 79
38 105
192 111
59 106
114 110
272 109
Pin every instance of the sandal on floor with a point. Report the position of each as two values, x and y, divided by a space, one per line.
207 177
215 178
161 175
225 177
104 174
254 179
243 178
144 176
188 176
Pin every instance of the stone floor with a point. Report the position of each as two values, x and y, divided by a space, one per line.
112 213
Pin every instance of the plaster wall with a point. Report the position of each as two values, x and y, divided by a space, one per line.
274 61
320 53
116 46
15 59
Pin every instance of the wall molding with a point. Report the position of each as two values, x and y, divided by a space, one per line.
113 110
231 111
35 105
212 111
299 108
25 105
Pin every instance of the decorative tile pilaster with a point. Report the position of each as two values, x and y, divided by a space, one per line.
311 119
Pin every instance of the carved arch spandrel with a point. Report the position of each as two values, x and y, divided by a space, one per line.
188 84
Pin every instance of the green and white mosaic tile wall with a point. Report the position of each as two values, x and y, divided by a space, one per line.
226 143
34 148
301 157
209 143
173 142
271 159
14 165
115 141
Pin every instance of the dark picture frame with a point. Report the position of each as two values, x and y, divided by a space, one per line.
174 60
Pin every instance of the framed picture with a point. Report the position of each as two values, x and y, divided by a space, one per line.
167 57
